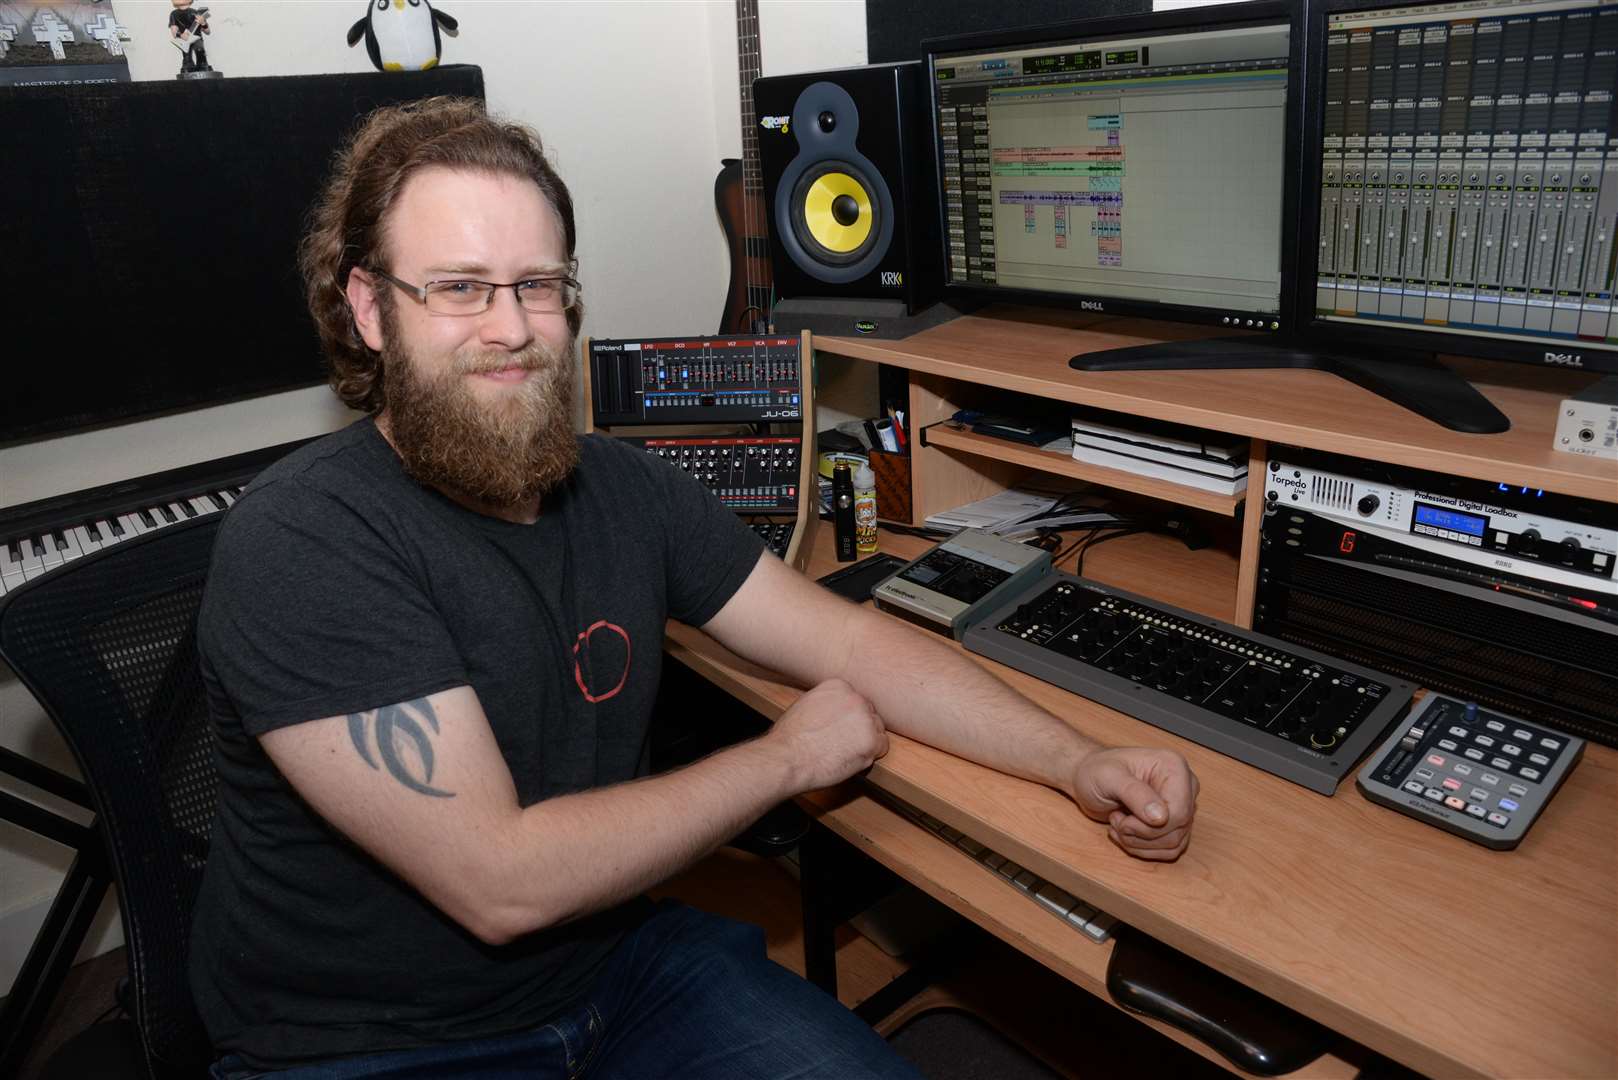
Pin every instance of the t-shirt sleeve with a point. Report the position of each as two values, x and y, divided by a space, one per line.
310 613
708 550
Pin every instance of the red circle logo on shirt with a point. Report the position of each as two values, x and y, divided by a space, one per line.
604 654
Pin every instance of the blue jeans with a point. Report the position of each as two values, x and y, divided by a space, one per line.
688 994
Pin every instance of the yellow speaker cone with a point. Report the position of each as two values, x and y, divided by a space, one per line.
837 211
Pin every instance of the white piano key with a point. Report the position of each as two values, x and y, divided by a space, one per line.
87 543
73 550
126 525
179 512
8 565
228 498
202 506
133 525
52 557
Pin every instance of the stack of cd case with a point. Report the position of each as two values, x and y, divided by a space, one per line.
1208 460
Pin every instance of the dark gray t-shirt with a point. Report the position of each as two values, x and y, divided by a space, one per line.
341 585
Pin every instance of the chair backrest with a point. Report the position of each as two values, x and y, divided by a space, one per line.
107 644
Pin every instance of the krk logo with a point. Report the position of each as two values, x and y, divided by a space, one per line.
892 279
775 123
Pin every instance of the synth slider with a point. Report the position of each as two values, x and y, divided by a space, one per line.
749 474
1298 714
696 381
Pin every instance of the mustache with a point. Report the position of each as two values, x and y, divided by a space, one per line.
533 357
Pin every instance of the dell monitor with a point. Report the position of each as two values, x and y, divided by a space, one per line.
1130 165
1460 187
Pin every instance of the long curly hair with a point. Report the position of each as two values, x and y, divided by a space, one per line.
346 222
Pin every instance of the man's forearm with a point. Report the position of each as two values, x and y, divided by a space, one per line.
927 691
577 854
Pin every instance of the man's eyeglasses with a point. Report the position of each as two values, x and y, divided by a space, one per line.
462 296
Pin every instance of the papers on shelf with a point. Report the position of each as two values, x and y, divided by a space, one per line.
1006 508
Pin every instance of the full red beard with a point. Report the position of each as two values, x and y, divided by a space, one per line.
503 452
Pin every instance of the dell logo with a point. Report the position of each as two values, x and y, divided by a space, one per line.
1091 305
1566 359
892 279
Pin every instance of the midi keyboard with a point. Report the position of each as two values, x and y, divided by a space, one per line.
1301 715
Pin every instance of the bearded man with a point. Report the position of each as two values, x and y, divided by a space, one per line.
431 643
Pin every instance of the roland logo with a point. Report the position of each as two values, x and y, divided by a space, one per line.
1092 305
1565 359
775 123
865 326
892 279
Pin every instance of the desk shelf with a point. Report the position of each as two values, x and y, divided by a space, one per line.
1026 350
949 876
968 442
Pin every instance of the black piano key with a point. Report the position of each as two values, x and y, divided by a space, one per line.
36 548
93 532
186 508
61 541
117 529
167 514
213 500
146 518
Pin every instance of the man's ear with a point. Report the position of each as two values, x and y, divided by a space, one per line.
362 300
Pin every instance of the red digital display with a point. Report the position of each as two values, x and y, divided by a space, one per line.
1346 544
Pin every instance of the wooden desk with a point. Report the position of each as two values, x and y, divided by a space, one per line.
1448 957
1441 954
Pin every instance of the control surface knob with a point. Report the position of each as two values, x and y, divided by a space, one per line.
1367 505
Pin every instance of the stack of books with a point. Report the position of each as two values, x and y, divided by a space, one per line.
1209 460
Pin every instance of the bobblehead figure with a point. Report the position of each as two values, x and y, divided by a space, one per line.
187 27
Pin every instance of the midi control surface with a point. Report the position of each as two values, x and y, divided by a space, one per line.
1300 715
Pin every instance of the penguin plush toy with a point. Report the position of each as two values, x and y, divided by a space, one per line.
402 35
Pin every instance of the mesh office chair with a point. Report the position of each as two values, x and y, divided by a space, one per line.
107 644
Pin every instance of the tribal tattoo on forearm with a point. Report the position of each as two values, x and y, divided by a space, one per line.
390 730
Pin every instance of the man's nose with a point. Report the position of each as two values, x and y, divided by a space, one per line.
505 323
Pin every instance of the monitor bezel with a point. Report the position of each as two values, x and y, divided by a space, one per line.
1078 31
1311 328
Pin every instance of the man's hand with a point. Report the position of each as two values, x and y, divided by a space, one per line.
830 734
1146 797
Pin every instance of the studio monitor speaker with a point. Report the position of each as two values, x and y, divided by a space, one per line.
850 185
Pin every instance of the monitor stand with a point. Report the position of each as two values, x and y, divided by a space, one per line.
1415 380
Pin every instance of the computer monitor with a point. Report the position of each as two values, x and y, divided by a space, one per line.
149 255
1129 165
1461 180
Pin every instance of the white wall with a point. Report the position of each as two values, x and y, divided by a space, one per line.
637 102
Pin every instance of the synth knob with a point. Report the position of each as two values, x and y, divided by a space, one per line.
1470 712
1530 536
1367 505
1322 740
1570 547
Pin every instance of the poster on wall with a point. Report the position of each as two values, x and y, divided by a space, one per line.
45 42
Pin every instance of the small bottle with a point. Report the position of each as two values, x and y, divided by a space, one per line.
865 510
842 510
